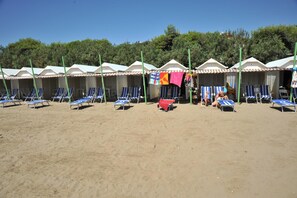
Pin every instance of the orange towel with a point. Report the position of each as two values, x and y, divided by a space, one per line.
164 78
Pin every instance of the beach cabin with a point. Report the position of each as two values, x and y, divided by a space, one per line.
134 78
52 78
281 74
211 73
174 66
253 73
81 78
112 81
8 76
25 80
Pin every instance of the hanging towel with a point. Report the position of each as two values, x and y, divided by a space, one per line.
176 78
164 78
155 78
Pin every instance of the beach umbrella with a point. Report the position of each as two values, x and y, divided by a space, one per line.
34 81
293 71
66 80
190 68
102 79
4 82
143 79
239 76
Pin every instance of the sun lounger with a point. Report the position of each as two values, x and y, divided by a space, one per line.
264 93
99 95
284 103
59 94
125 94
31 95
121 103
250 93
5 102
35 103
175 93
206 90
79 103
91 93
164 92
165 104
66 96
226 103
135 95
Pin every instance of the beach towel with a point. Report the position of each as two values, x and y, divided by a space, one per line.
155 78
294 80
164 78
165 104
176 78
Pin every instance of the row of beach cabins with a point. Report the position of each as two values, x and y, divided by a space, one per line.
81 78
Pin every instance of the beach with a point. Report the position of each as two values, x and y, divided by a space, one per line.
191 151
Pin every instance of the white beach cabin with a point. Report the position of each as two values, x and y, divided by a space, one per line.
134 71
174 66
253 73
25 79
282 75
8 76
81 78
112 81
52 78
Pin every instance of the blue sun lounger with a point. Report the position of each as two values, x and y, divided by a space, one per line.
226 103
35 103
121 103
8 101
79 103
284 103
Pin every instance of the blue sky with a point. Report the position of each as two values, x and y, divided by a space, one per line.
134 20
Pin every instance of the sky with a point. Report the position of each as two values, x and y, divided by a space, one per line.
132 21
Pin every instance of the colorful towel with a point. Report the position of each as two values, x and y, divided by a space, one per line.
164 78
176 78
155 78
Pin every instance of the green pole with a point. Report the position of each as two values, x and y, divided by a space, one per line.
102 80
294 67
4 83
143 79
190 68
34 81
66 80
239 77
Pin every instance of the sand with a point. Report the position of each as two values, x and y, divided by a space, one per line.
192 151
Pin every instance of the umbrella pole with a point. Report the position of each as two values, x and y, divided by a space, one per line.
102 79
4 83
239 77
66 80
143 79
190 68
294 70
34 81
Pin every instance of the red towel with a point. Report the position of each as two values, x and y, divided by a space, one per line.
164 104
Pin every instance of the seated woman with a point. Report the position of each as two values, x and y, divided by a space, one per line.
219 96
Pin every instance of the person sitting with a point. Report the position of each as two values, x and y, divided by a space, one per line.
206 100
219 96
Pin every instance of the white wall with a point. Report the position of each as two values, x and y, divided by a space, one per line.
38 82
91 82
62 82
14 84
272 79
122 81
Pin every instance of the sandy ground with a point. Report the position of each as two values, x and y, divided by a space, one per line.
192 151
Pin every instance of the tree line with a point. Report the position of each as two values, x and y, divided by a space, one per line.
266 44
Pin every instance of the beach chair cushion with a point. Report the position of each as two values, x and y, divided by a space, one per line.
226 103
121 103
34 103
284 103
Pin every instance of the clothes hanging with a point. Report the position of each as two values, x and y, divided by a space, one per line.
155 78
164 78
176 78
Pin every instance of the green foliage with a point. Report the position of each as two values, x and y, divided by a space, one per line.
265 44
